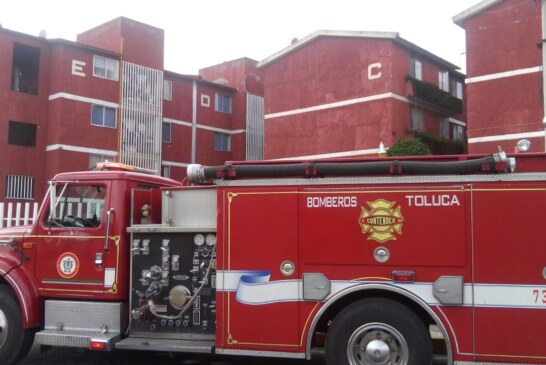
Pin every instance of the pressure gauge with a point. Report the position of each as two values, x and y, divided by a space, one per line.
211 239
199 239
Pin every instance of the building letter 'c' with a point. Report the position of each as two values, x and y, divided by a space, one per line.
374 71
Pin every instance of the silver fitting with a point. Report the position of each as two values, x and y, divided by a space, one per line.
195 173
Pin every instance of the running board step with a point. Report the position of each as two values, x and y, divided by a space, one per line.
160 344
72 338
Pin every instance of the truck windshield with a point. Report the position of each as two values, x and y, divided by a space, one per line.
76 205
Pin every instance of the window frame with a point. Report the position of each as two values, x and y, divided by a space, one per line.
167 90
166 171
25 69
104 108
457 89
107 61
417 119
443 81
445 128
163 125
417 68
223 103
222 142
68 195
458 132
13 139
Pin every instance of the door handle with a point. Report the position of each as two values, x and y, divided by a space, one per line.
108 215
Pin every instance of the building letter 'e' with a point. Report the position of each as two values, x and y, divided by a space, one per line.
374 71
77 68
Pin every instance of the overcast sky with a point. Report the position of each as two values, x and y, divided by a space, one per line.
202 33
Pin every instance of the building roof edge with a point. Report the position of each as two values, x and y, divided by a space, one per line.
463 16
320 33
394 36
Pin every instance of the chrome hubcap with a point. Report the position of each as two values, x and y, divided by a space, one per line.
377 344
3 329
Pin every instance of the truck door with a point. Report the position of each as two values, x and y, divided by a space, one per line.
510 272
73 257
259 270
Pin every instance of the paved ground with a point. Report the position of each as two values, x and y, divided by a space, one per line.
64 356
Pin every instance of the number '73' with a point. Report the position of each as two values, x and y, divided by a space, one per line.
540 296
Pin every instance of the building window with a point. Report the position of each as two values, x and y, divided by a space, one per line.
166 171
416 68
223 103
443 80
205 100
20 187
167 90
25 69
417 118
103 116
444 128
222 142
166 133
457 89
22 134
106 68
458 132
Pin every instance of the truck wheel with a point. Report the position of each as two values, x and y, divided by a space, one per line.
15 342
378 331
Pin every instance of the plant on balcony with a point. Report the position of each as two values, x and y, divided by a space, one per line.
412 146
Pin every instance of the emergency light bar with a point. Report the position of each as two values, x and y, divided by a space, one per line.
116 166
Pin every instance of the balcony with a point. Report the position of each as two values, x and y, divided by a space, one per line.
431 97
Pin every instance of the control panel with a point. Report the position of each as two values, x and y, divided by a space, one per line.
173 285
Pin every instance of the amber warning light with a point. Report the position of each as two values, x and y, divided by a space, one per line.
123 167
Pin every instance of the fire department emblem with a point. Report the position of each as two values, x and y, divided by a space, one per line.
382 221
68 265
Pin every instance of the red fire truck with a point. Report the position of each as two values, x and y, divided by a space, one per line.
375 261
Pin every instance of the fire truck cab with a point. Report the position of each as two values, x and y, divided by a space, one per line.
372 261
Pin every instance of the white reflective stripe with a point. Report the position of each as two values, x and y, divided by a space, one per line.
254 287
270 292
512 296
229 280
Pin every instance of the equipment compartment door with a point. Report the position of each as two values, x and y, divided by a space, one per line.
510 272
72 259
258 277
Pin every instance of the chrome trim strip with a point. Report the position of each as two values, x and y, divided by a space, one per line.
279 354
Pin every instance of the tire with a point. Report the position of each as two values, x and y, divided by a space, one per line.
378 331
15 342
